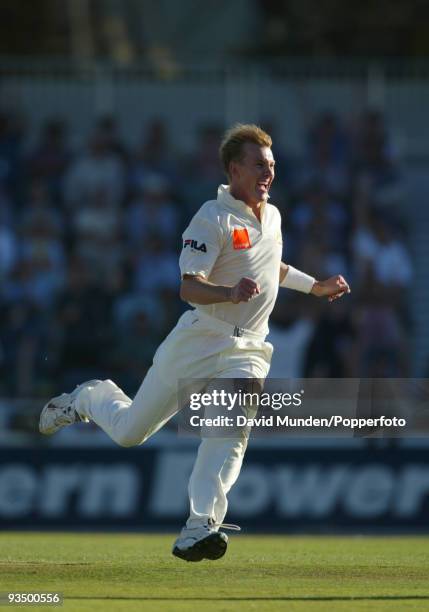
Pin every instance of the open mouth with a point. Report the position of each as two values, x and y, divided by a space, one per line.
264 186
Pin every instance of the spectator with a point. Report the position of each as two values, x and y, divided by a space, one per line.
150 210
7 250
374 166
384 272
97 170
156 267
202 172
291 329
40 246
331 351
327 157
33 280
96 219
155 155
11 141
83 327
381 254
318 208
135 343
108 128
23 334
38 211
49 160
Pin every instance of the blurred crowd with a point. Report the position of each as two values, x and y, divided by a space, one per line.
89 244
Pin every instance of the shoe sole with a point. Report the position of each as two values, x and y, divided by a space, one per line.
212 547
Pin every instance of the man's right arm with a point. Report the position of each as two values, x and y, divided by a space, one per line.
198 290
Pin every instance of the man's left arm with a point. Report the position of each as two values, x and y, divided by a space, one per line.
332 288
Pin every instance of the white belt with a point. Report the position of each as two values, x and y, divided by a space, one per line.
229 329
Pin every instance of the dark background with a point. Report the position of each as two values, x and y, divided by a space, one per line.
280 28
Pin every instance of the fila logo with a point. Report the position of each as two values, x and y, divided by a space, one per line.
194 245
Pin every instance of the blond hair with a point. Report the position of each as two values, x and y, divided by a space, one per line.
231 148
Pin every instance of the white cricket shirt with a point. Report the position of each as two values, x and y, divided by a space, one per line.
224 242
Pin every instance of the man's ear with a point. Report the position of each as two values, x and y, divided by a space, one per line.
232 169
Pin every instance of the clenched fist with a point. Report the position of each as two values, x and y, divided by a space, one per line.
332 288
244 290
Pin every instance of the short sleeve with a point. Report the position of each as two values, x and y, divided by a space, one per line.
202 243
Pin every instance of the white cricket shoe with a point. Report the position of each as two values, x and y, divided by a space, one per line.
59 411
202 542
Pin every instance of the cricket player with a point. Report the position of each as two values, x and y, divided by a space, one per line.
231 270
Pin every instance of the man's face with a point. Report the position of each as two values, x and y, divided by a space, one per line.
251 177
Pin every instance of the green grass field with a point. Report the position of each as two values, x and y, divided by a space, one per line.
137 572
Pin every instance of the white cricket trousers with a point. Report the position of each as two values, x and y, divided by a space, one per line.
198 347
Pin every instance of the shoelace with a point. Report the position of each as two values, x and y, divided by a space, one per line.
229 526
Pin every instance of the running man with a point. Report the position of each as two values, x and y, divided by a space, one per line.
231 270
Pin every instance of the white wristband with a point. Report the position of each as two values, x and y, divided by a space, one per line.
297 280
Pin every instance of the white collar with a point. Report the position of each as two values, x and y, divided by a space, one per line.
224 195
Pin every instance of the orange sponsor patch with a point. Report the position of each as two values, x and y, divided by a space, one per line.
240 239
